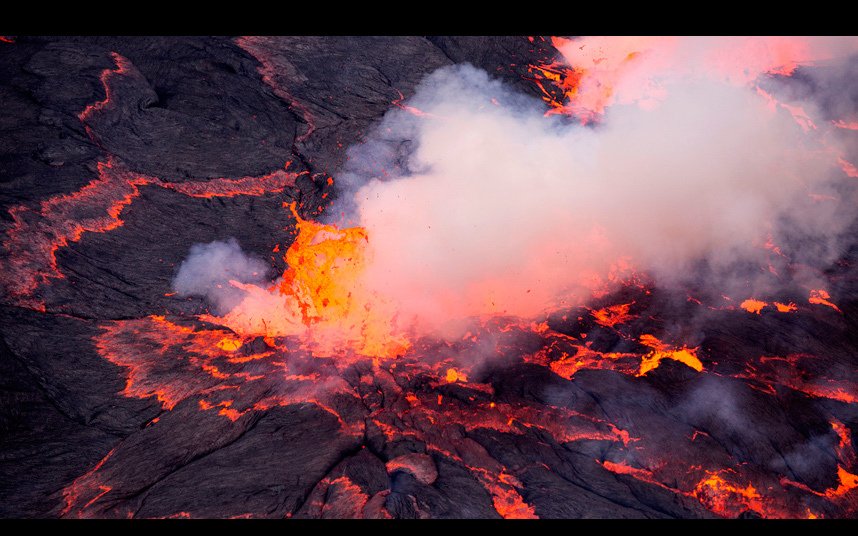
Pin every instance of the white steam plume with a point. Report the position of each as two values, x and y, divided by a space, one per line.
209 269
475 203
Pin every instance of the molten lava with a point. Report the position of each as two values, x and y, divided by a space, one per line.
320 297
753 306
685 355
613 315
821 297
727 498
786 307
123 66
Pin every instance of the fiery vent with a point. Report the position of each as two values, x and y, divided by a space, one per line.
320 297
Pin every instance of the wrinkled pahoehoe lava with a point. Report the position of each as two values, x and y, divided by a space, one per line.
121 398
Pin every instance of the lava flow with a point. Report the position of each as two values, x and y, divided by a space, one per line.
36 234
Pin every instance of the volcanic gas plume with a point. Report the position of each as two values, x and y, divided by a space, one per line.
472 201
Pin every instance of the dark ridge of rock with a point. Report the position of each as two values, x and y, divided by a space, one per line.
43 449
58 353
267 471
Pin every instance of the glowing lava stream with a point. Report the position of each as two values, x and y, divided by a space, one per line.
123 67
36 234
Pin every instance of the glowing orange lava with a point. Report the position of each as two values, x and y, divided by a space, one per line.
454 375
845 452
685 355
320 297
753 306
613 315
847 482
792 371
320 300
821 297
123 66
174 362
786 307
643 475
727 498
510 505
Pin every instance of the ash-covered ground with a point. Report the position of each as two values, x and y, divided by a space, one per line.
117 400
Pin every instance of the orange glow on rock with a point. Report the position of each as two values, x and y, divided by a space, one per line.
37 233
87 486
643 475
321 300
846 482
792 371
123 67
845 452
223 187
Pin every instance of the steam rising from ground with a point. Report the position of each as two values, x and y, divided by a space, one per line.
209 269
476 203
